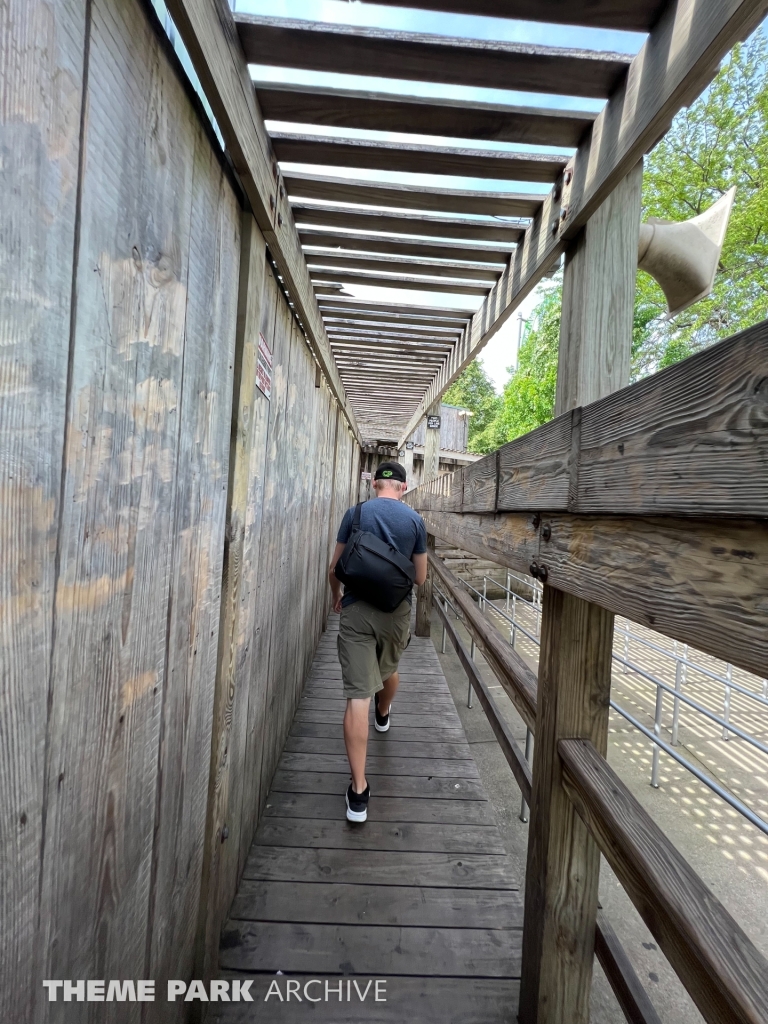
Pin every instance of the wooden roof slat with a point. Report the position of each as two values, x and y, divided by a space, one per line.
336 323
347 241
413 223
421 115
481 63
405 264
377 341
417 158
411 197
629 15
375 349
422 284
399 308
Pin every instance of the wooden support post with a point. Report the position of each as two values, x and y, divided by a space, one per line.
431 464
576 639
408 463
424 596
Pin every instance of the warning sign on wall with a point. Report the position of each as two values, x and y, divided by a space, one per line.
264 368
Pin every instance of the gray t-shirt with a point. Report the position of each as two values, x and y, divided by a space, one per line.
393 522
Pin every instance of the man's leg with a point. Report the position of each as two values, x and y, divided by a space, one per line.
356 739
387 694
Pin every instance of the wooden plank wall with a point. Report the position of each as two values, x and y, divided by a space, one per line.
125 330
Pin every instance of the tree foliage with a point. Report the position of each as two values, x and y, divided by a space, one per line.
474 390
528 399
719 141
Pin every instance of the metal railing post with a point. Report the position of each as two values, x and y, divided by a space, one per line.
509 587
485 592
469 683
514 621
657 734
442 644
528 755
727 700
680 675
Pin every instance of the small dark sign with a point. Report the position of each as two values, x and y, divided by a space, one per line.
433 422
409 445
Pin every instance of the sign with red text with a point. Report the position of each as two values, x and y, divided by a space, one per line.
264 367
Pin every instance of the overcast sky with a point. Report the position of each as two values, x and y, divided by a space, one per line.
500 352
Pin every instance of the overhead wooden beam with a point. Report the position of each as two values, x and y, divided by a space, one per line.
678 60
421 115
411 197
482 63
630 15
371 323
209 34
348 241
295 148
421 284
407 223
399 309
408 265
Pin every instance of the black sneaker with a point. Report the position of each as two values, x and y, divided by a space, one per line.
380 721
357 804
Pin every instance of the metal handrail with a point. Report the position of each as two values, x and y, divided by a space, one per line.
661 688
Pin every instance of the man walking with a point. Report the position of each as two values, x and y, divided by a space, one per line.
372 641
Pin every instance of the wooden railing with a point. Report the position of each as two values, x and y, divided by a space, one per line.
651 503
715 960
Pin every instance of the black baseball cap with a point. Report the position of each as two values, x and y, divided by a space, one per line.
390 471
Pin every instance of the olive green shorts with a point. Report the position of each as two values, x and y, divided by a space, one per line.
370 645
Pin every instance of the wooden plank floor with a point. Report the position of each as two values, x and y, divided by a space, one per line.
421 896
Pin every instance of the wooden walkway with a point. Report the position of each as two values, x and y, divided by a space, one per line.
422 895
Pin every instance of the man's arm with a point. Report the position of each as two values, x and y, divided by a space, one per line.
336 584
420 562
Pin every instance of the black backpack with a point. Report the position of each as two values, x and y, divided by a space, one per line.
373 570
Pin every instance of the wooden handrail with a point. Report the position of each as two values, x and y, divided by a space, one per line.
513 674
621 975
725 975
691 440
509 746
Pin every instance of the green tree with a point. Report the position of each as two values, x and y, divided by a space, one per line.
529 395
719 141
474 390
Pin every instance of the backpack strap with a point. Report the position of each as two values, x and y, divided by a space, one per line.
356 516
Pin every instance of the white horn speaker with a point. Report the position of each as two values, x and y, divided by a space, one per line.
683 257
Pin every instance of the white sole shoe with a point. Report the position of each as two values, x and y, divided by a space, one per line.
357 816
381 728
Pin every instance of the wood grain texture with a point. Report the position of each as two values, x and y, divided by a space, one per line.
691 440
535 470
357 241
410 197
419 284
119 492
721 969
596 321
41 90
485 64
195 596
362 219
465 270
632 997
209 33
360 949
444 870
631 15
230 698
563 864
679 58
383 808
420 115
403 906
428 1000
290 147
